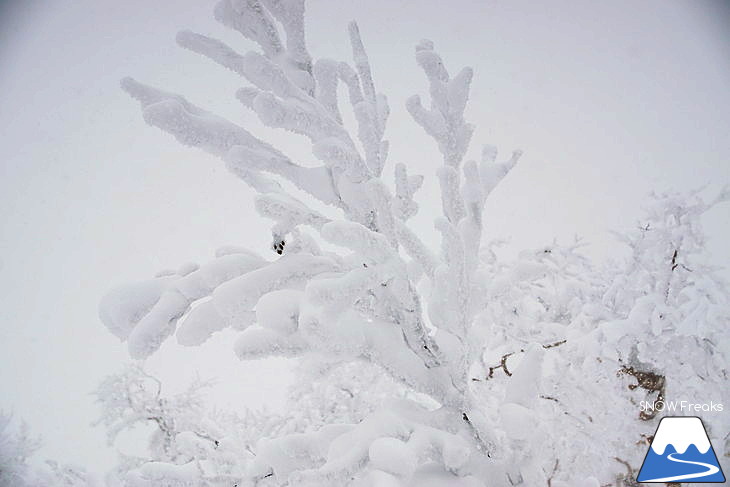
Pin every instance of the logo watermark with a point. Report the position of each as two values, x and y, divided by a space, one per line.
680 451
680 406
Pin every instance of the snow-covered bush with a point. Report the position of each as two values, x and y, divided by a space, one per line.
423 366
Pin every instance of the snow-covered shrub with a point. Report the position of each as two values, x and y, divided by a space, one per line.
422 366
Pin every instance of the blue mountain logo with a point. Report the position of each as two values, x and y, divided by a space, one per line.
681 452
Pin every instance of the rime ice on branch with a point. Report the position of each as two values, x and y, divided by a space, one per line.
361 304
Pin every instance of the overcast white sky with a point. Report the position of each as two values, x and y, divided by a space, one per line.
609 100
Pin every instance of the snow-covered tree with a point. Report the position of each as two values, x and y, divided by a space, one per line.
425 366
18 446
15 448
360 303
653 328
187 441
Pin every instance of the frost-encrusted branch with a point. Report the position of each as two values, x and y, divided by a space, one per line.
444 120
362 300
462 198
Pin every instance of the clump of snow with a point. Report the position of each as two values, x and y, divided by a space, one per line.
393 456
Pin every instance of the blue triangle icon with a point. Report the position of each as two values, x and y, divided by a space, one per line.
681 452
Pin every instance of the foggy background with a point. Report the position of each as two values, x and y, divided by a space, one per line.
609 100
